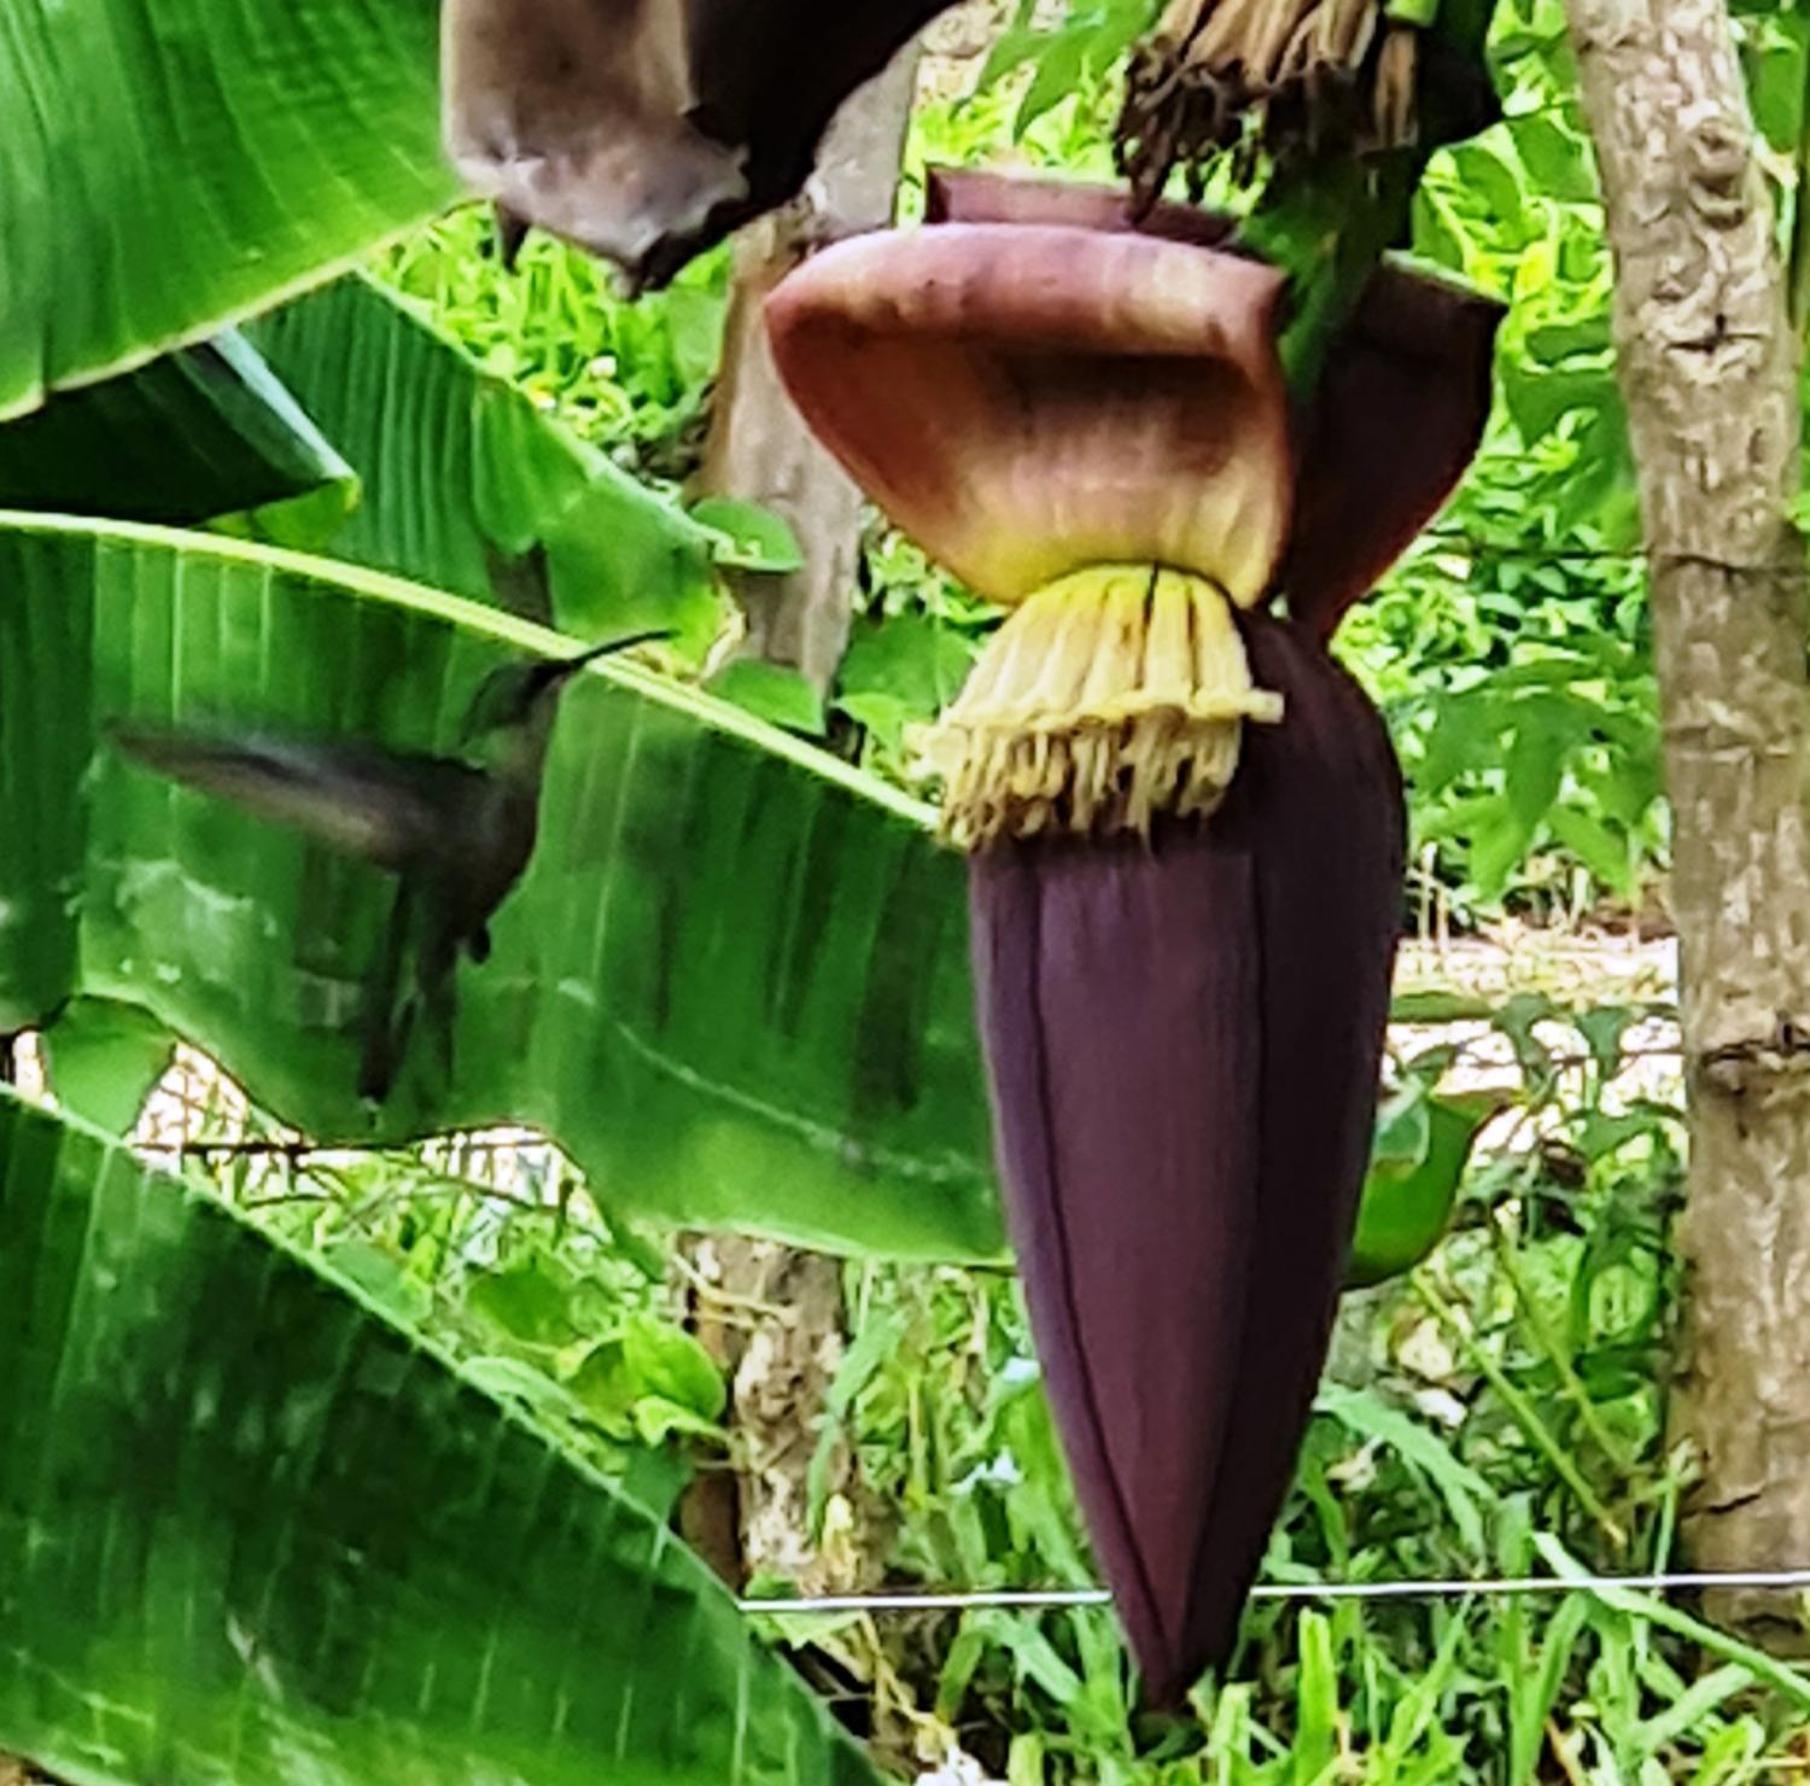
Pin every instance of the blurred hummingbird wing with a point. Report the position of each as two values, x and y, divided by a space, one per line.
391 808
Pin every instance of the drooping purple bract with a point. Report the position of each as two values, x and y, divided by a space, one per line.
1184 1039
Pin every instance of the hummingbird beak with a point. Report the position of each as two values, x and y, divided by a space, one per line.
561 671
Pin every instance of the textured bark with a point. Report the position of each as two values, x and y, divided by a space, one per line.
759 448
771 1314
774 1317
1708 364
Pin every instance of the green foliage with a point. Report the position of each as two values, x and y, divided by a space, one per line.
496 1246
103 1058
909 651
469 486
1509 650
780 696
630 378
203 432
749 537
281 1526
171 172
732 960
1074 54
1422 1144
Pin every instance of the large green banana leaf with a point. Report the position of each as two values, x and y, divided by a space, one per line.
469 487
733 982
252 1531
207 430
174 165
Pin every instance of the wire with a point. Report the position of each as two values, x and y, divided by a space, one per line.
1507 1586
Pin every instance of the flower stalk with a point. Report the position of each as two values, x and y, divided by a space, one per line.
1183 821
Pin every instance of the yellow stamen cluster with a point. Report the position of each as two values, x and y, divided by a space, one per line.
1112 695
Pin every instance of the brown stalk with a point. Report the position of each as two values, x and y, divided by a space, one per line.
1231 76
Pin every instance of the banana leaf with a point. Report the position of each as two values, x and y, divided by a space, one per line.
733 982
175 165
1408 1203
470 488
252 1530
207 430
104 1059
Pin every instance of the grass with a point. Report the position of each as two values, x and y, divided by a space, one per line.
1500 1412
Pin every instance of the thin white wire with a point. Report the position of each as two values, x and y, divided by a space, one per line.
1457 1588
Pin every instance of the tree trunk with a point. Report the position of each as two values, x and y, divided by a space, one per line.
773 1315
759 448
1708 364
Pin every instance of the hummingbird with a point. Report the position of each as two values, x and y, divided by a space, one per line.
456 831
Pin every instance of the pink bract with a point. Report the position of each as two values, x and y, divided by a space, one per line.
1028 385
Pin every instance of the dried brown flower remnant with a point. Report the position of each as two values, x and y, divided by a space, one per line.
1289 76
646 130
